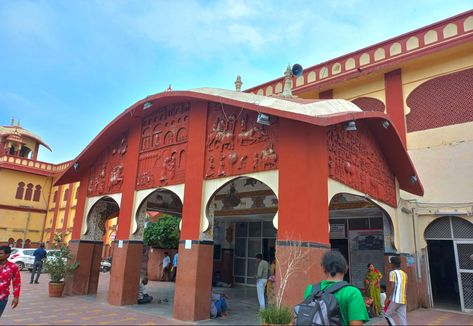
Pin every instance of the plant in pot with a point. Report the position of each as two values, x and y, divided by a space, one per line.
59 264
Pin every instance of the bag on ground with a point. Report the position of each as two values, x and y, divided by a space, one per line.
320 308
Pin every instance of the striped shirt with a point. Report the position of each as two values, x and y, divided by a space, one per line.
399 290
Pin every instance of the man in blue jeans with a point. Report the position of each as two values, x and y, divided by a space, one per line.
39 254
9 274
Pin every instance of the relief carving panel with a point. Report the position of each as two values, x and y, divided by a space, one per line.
162 157
356 160
236 144
106 175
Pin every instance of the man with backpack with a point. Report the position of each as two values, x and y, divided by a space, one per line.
332 301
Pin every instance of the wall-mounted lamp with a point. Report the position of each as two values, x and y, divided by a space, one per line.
350 126
76 166
386 124
413 179
147 105
263 119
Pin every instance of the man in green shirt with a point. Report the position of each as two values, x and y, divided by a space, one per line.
261 279
350 301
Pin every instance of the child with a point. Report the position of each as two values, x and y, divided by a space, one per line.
369 306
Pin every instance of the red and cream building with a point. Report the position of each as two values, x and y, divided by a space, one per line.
334 165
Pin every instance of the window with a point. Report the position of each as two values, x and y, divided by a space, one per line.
37 193
66 195
29 191
55 197
20 190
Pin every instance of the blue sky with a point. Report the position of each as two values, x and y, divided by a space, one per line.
67 68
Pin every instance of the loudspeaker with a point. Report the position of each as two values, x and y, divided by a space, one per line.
297 70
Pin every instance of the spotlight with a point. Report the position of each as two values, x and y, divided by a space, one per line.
76 166
263 119
350 126
413 179
147 105
386 124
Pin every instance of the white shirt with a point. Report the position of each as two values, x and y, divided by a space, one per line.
166 261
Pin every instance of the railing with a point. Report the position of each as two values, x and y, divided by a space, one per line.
34 164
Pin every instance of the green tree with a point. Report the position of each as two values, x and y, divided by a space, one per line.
164 233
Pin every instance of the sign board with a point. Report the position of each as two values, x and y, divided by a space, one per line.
337 231
188 244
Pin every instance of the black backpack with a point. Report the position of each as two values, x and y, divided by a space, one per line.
320 308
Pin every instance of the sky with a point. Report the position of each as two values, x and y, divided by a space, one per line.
68 68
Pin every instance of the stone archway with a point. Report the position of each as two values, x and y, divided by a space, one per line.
362 231
240 216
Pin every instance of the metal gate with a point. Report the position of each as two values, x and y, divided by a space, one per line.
461 232
464 260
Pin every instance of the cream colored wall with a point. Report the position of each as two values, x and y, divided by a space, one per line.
371 86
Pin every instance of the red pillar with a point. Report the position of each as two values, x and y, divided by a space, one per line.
395 101
125 272
303 204
193 286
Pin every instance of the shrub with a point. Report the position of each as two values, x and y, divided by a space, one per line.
272 315
164 233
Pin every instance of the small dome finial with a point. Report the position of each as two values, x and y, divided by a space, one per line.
12 120
169 89
287 92
238 83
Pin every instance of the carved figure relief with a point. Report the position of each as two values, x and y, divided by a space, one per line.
163 147
234 138
106 175
356 160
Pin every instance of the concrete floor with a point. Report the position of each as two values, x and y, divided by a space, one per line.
242 302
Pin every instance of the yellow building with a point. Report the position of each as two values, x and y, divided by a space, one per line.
29 212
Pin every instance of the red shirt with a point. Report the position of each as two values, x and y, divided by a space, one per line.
9 273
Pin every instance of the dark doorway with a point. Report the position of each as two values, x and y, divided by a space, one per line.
443 274
342 246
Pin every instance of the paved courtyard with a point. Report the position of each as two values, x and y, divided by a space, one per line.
37 308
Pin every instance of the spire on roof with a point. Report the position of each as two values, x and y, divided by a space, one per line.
12 121
238 83
169 89
287 92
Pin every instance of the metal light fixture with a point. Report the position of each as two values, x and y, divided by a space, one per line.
386 124
413 179
350 126
147 105
263 119
76 166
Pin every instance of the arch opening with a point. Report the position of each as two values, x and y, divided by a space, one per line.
240 215
451 278
362 231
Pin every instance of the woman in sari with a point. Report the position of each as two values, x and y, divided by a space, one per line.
372 283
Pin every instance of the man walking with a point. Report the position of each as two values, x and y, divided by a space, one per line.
261 279
9 273
39 254
174 267
397 293
166 267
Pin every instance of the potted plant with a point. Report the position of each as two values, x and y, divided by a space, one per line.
274 315
59 264
161 236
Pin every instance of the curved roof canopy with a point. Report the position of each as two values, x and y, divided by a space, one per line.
316 112
15 131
